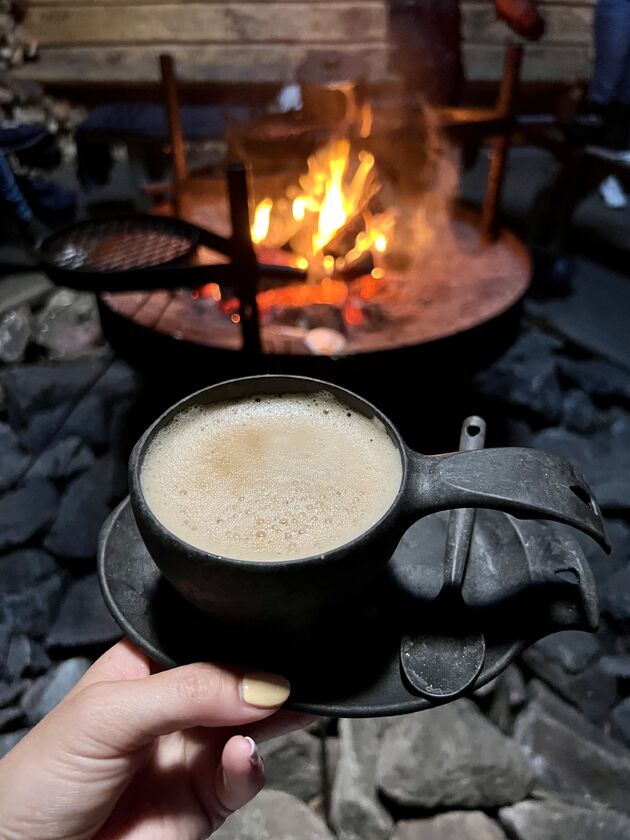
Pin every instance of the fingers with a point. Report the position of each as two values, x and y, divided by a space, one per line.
124 716
123 661
239 776
279 724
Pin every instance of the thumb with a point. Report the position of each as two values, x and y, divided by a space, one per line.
123 716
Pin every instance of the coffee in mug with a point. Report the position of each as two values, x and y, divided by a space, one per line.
271 477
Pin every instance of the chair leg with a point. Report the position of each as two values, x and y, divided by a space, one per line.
176 135
501 143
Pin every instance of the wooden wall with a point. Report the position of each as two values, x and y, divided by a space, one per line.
265 40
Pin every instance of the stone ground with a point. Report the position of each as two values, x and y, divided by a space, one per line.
542 754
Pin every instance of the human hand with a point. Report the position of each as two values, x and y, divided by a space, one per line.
522 16
130 755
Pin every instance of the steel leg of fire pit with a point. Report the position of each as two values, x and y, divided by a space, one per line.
244 259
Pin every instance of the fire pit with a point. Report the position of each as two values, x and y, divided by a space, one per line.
370 297
394 272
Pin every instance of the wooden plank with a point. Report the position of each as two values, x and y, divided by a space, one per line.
544 5
564 24
35 4
236 23
560 63
255 63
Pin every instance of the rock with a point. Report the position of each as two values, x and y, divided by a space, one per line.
572 649
13 461
31 610
616 596
29 389
47 402
41 428
10 692
578 411
620 720
451 757
458 825
83 619
84 507
8 741
24 568
572 758
356 813
63 460
10 717
15 334
47 691
18 658
598 377
293 764
526 376
616 666
25 658
592 690
557 821
602 565
274 815
604 458
27 512
68 324
32 586
509 695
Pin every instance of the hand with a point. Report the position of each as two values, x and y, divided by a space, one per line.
522 17
130 755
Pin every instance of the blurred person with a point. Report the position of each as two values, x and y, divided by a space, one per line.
609 92
428 42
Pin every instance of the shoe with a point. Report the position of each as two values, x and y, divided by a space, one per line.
612 193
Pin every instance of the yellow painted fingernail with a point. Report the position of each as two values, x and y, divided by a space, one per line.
265 691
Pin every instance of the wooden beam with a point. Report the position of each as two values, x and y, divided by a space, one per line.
233 23
256 63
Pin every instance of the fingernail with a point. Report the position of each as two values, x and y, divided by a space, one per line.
265 691
254 755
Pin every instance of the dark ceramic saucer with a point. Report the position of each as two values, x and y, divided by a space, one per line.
525 580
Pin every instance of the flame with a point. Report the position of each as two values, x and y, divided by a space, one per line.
332 211
262 218
318 218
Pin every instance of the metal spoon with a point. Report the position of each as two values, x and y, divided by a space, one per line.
445 658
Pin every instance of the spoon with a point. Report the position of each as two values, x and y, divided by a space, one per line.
443 660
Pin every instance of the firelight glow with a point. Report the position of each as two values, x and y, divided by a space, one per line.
260 228
327 221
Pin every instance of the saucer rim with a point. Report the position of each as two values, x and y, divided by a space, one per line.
353 710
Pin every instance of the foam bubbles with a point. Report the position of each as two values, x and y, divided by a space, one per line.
274 477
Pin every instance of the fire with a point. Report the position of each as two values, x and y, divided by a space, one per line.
328 219
332 214
260 228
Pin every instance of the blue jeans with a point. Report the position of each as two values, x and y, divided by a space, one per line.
10 192
611 73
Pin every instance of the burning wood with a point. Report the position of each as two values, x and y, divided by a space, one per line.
330 220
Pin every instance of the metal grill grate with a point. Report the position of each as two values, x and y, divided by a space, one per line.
118 244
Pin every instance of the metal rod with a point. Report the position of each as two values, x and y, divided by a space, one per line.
244 256
176 134
501 142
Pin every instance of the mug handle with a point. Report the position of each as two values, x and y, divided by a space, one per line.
524 482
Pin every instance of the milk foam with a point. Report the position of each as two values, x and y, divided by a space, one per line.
271 477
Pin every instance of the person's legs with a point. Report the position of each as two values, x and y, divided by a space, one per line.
622 94
11 194
612 51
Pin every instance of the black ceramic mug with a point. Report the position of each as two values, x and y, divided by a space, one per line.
289 596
